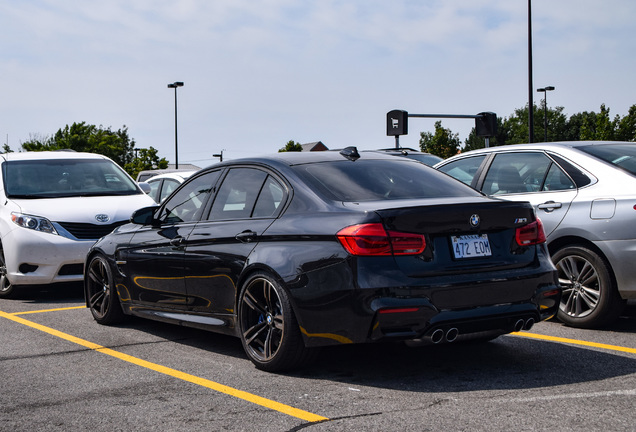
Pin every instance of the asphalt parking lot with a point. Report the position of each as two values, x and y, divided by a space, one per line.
60 370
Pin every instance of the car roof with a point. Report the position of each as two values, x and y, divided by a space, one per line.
299 158
544 146
44 155
173 175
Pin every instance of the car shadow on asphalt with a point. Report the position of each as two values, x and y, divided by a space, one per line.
508 362
54 293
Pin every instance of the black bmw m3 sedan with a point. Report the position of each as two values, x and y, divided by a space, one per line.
296 251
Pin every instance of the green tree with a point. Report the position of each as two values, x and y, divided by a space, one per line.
443 143
627 126
146 159
116 145
291 146
83 137
599 126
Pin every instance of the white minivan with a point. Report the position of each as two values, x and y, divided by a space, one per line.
53 207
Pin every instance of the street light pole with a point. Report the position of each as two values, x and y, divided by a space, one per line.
545 91
530 101
174 85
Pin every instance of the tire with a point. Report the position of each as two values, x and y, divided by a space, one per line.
103 300
7 289
268 328
590 297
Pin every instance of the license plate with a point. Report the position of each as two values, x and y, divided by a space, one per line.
470 246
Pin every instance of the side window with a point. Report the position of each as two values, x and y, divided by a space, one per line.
464 169
154 190
187 204
270 198
169 185
238 193
516 172
557 180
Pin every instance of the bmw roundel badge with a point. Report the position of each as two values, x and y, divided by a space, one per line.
474 220
102 218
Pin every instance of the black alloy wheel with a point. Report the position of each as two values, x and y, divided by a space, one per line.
268 328
103 300
7 289
590 298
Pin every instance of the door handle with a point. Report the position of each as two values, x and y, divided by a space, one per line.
177 241
549 206
246 236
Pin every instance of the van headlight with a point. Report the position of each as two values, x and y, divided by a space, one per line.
33 222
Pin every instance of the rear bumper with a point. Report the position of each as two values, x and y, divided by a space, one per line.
335 315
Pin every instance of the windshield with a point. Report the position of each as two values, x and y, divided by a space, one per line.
55 178
370 180
620 155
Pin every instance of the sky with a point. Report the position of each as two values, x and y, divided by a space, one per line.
259 73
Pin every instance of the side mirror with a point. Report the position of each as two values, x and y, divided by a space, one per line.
145 187
144 216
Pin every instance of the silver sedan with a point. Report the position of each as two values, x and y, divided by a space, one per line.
584 192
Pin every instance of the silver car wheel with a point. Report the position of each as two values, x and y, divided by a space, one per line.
590 298
581 286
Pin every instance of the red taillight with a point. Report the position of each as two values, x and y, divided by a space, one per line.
398 310
530 234
374 240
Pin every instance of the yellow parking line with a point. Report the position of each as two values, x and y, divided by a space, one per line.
48 310
576 342
267 403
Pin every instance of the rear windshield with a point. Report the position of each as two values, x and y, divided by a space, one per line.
370 180
56 178
620 155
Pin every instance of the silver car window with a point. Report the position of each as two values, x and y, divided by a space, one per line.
464 169
518 172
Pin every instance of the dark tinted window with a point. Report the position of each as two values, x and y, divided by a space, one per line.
187 204
369 180
622 156
238 193
271 197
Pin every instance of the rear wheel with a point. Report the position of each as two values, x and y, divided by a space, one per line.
103 300
590 297
7 289
268 328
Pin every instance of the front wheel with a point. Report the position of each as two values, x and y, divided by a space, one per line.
590 297
103 300
268 328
